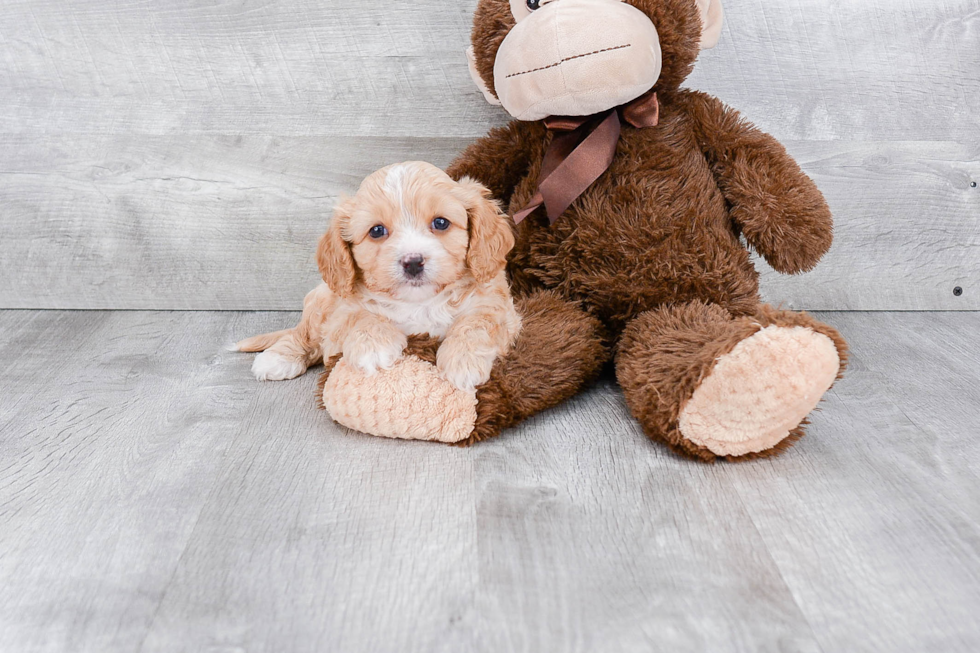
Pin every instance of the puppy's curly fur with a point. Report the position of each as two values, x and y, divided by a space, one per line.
413 252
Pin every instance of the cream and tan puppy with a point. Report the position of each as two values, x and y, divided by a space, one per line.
412 253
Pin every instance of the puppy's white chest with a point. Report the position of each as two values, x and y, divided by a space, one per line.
433 316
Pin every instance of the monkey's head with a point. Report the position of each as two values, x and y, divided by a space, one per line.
541 58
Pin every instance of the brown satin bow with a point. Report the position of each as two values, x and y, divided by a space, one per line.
581 150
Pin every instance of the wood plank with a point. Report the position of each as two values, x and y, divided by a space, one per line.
135 231
154 497
186 158
33 340
874 70
114 442
803 69
874 522
375 68
321 540
906 232
177 222
594 539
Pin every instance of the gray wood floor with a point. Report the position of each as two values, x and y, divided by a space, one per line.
154 498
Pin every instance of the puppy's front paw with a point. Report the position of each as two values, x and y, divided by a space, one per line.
270 366
463 368
370 357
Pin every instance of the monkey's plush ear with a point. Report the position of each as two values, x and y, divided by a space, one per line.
482 85
712 17
334 258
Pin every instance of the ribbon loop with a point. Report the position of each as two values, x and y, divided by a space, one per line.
581 150
643 112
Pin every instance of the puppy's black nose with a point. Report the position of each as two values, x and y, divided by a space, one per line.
414 265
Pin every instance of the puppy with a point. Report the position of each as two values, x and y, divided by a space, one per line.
413 252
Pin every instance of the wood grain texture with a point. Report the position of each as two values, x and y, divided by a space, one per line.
154 497
113 432
907 230
187 157
900 440
180 222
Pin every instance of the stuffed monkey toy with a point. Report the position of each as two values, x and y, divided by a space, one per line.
631 197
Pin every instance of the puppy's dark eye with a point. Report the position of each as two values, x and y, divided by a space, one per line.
533 5
378 231
440 224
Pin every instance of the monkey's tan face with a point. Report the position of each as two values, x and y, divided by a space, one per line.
575 57
580 57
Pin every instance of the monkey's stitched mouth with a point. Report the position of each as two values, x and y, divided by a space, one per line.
577 56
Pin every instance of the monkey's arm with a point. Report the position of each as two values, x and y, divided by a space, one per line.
500 159
779 209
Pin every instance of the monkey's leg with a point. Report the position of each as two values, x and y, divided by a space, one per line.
559 350
711 385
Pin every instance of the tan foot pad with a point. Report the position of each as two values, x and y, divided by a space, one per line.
409 402
760 391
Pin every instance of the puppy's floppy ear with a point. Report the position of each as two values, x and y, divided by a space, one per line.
491 234
334 258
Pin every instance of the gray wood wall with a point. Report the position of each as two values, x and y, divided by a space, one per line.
186 154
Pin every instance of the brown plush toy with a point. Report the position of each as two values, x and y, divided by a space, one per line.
630 195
